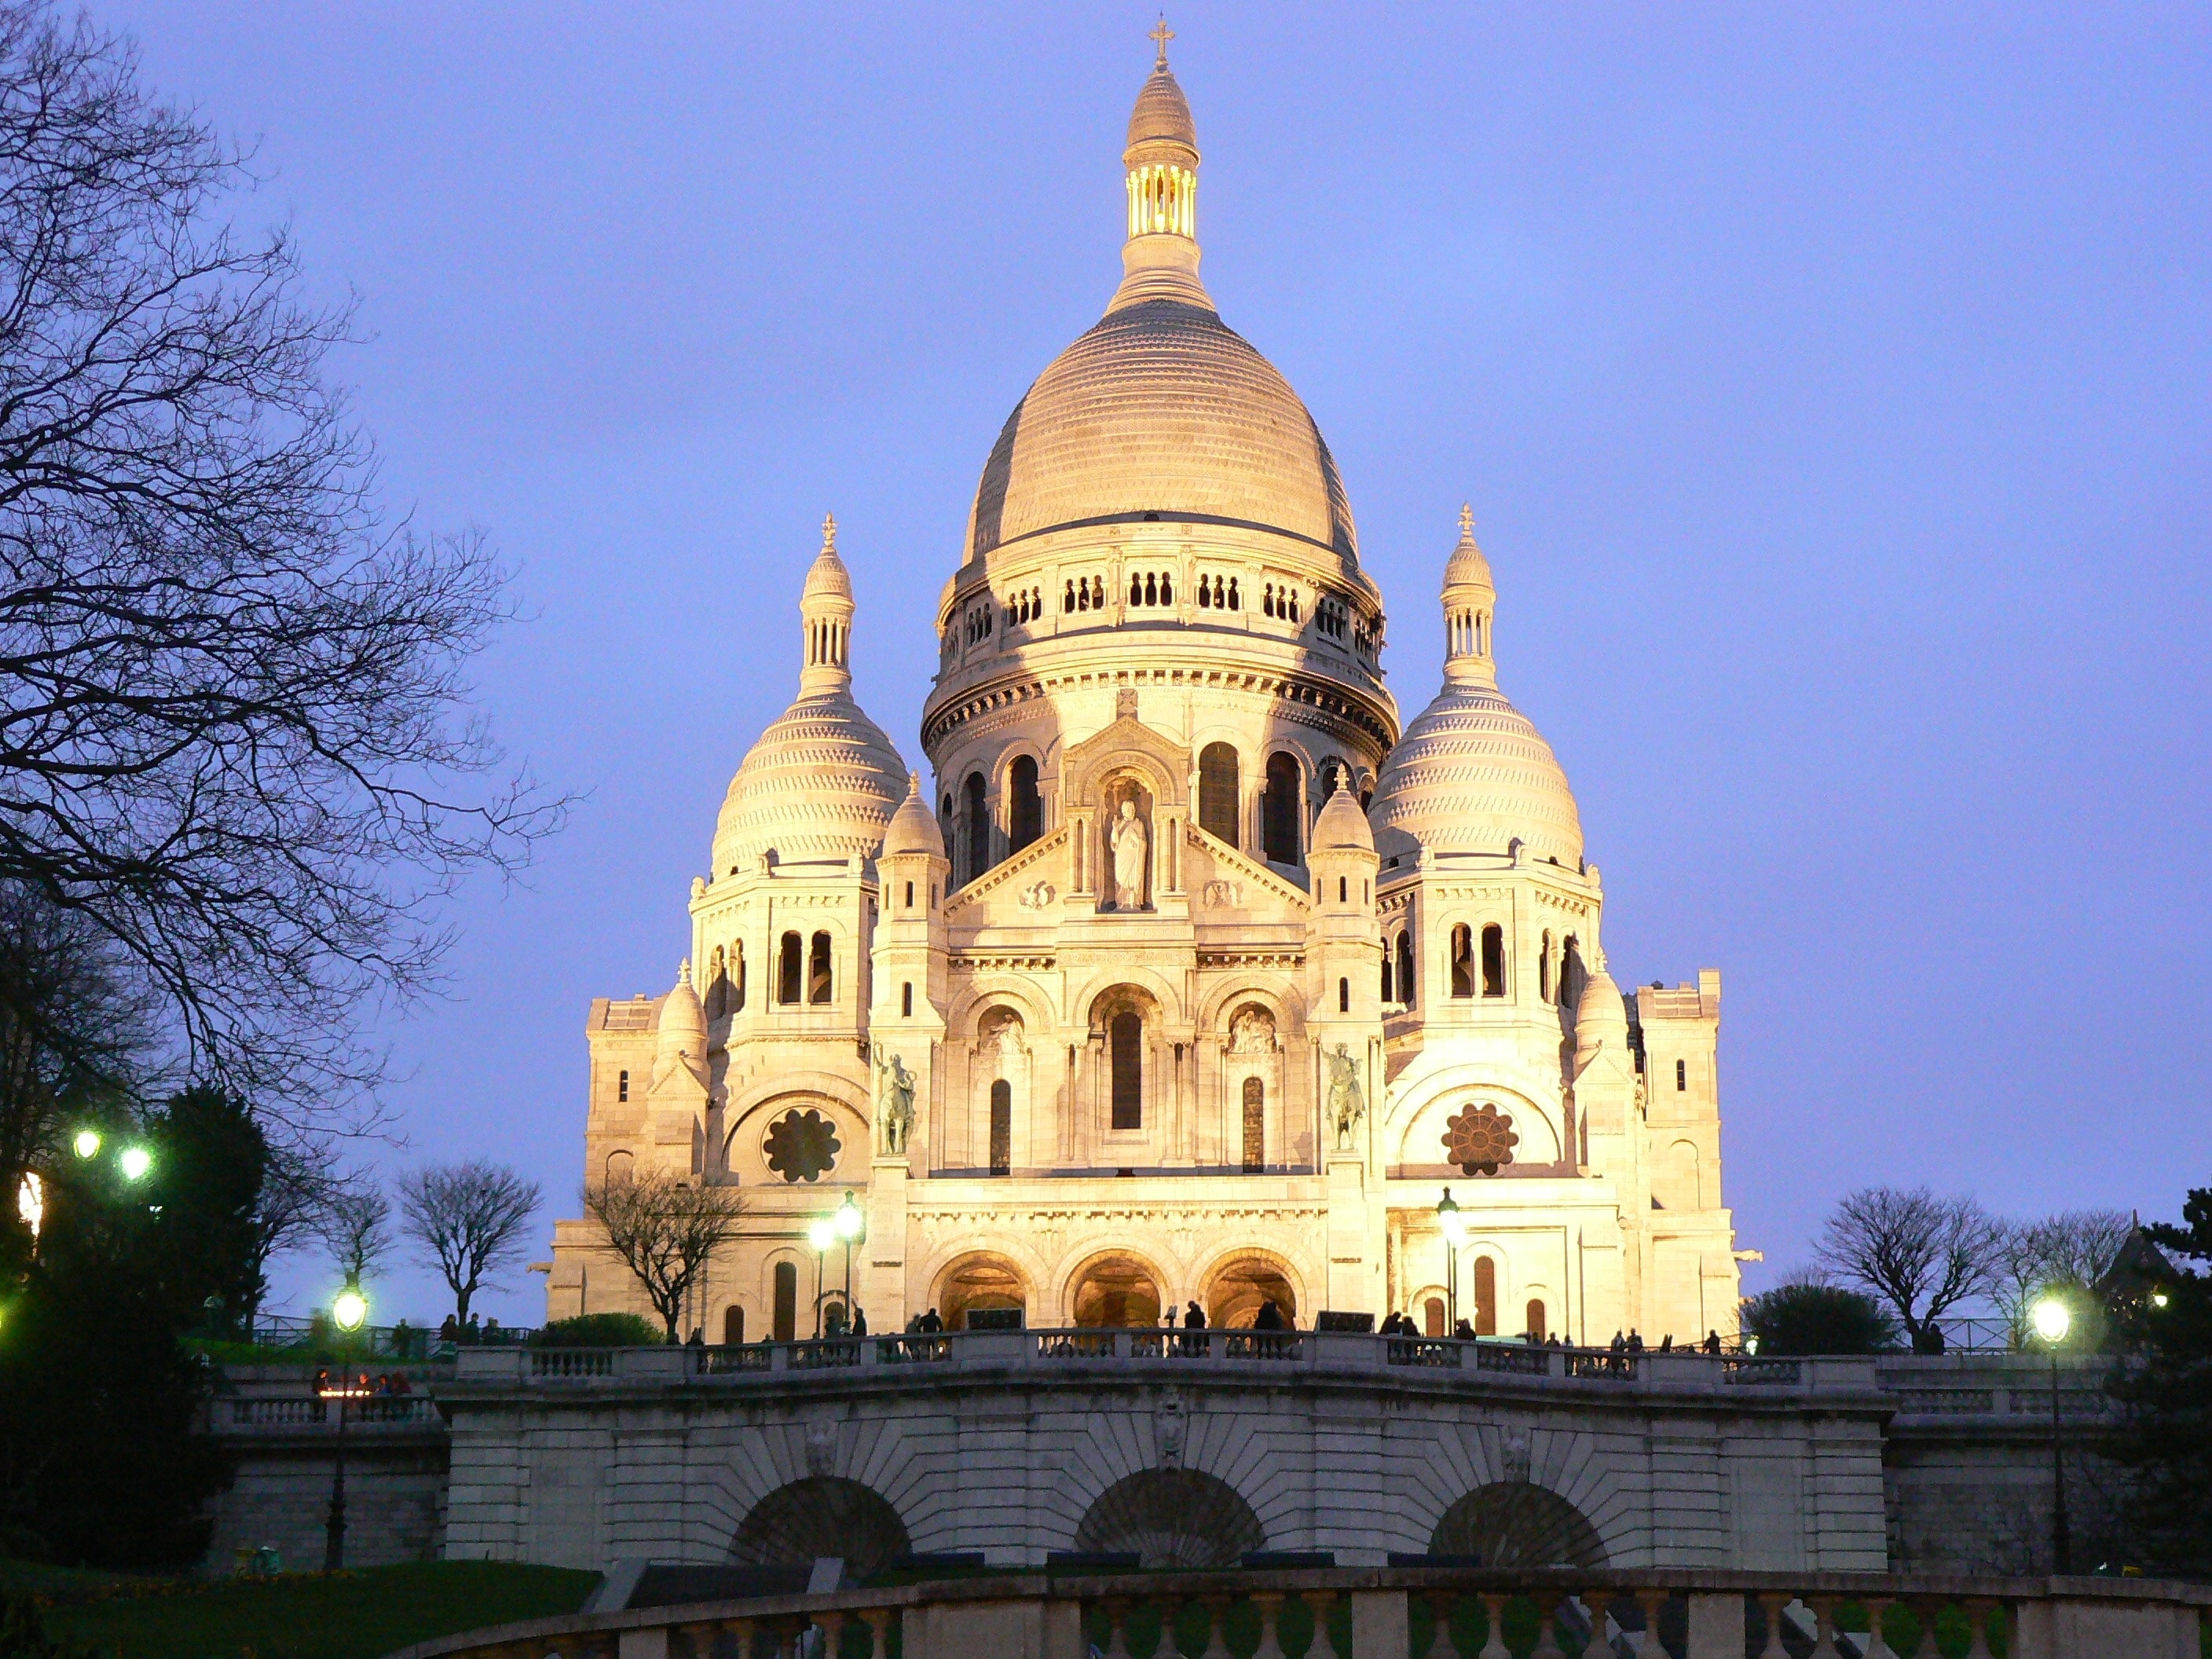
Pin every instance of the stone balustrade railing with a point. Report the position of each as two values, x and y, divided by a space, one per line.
1181 1351
1399 1612
264 1412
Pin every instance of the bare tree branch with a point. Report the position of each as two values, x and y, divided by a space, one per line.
357 1227
665 1231
469 1218
1921 1254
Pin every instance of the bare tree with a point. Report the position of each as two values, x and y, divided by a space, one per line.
234 735
665 1230
1921 1254
2068 1252
357 1227
469 1218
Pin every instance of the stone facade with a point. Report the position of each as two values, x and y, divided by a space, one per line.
1193 977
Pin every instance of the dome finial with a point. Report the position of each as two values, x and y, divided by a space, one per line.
1467 521
829 532
1160 35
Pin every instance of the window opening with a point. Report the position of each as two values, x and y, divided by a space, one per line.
979 827
1681 1076
1462 961
1026 809
786 970
786 1325
1405 967
733 1325
906 1000
1279 813
1344 996
1127 1039
1486 1297
621 1085
1002 1127
1255 1126
1217 792
1432 1317
1493 961
818 969
1537 1329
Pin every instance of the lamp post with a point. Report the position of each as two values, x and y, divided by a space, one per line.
348 1311
2052 1320
1455 1230
821 1233
851 1224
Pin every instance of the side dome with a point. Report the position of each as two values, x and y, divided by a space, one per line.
822 781
1341 827
914 827
1472 775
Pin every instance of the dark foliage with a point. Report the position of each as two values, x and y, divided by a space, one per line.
1806 1317
599 1330
2165 1387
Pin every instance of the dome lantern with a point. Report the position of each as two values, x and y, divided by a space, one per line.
1160 259
825 611
1470 599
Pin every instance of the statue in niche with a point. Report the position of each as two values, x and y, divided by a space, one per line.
894 1101
1252 1032
1130 844
1346 1105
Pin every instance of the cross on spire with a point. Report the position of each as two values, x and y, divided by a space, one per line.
1161 35
1466 518
830 532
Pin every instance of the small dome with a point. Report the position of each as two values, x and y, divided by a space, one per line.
914 827
822 783
1601 1017
827 577
1466 567
1472 774
1163 114
682 1019
1342 827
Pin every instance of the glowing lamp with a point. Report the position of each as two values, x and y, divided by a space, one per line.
86 1143
349 1309
2158 1298
2052 1320
822 1233
1449 1219
1750 1345
849 1219
134 1163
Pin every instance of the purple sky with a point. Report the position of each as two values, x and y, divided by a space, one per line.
1830 384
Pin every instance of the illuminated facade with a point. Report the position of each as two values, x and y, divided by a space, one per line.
1194 976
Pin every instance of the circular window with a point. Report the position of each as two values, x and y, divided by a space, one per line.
802 1145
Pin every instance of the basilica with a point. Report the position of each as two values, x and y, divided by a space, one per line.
1186 974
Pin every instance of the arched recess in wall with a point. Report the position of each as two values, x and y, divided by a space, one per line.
1025 803
1279 817
1511 1524
1236 1286
978 1281
1217 792
1171 1518
821 1516
1114 1290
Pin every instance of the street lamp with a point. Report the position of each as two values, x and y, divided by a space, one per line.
134 1163
349 1310
851 1224
2052 1320
86 1142
821 1233
1455 1227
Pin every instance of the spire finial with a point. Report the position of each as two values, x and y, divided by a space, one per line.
830 532
1160 34
1466 518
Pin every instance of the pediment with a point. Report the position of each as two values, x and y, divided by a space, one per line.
1127 745
1044 860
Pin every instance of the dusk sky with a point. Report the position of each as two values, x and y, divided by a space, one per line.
1833 387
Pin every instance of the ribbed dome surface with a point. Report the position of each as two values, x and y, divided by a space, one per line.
1162 112
1470 775
822 783
1161 409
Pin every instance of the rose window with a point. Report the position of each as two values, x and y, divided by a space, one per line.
802 1145
1479 1139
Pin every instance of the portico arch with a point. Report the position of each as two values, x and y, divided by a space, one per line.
1115 1288
1236 1284
1516 1523
821 1516
1172 1519
980 1280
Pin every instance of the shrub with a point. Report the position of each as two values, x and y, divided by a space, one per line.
1804 1316
599 1330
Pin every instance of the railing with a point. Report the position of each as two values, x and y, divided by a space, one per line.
1390 1612
1441 1360
377 1412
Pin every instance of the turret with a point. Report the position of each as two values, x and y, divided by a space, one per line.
825 611
1341 943
1469 599
910 942
1159 260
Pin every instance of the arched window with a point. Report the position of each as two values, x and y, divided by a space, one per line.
906 1000
1067 597
1026 808
1235 604
1344 996
1493 961
979 827
1405 967
718 986
787 969
1486 1297
1205 594
733 1325
818 969
1544 969
1136 590
1002 1127
1572 974
1217 792
909 895
1432 1317
1390 985
785 1325
1255 1126
1343 889
1333 773
1537 1329
1462 962
1127 1039
1279 819
621 1085
1167 588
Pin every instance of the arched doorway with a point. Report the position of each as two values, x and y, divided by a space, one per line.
1514 1524
822 1515
1115 1291
978 1282
1171 1518
1238 1288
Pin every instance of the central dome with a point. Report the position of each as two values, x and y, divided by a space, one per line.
1162 409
